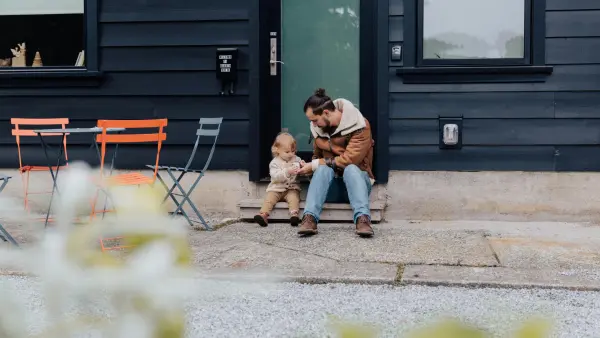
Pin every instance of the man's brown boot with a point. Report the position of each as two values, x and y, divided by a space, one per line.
308 227
262 219
363 226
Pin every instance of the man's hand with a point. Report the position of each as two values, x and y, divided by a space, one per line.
305 170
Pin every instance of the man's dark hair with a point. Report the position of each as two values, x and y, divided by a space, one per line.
318 102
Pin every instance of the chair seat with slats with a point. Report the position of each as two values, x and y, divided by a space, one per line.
130 179
165 167
27 168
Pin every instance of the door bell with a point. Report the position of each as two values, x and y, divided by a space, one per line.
397 53
227 68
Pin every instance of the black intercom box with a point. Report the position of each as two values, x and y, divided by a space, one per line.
227 64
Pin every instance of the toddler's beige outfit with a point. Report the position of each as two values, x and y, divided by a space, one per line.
283 186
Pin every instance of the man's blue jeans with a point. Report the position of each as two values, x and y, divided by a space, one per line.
357 183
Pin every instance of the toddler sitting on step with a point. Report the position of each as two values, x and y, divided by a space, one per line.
284 184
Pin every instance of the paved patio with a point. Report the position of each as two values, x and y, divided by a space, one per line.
469 253
565 255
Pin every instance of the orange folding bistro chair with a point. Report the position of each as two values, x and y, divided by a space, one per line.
24 169
133 178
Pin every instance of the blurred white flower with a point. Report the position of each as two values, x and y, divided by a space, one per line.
147 284
12 314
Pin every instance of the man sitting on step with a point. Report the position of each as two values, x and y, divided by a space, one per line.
343 146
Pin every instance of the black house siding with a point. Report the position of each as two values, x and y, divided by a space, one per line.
158 62
158 59
548 126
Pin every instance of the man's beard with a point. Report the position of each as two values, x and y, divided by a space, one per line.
328 128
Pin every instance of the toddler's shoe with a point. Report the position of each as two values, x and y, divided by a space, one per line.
294 219
262 219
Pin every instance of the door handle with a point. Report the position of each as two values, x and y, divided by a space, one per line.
273 57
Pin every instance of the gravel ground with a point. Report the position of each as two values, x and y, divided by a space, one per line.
228 309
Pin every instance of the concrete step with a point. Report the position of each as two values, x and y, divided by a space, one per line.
332 212
377 192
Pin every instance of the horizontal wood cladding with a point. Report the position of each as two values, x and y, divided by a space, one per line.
501 158
584 23
396 28
201 33
190 108
161 59
179 132
564 78
396 7
501 132
573 51
155 15
558 5
471 158
577 158
472 105
176 83
577 105
139 5
134 156
513 105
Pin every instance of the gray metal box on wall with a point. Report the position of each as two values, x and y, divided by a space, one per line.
451 132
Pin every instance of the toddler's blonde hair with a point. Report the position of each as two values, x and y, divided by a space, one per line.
283 139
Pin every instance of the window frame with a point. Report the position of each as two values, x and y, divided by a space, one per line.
89 74
414 71
527 37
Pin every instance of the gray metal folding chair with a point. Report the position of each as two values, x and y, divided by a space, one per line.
201 132
4 235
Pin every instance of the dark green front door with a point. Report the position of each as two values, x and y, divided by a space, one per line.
320 42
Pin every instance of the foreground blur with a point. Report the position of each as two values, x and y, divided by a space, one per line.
146 289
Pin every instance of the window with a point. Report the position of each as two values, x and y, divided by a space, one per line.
474 31
49 43
42 33
475 40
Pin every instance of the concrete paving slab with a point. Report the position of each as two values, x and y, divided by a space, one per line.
390 244
501 277
573 231
532 254
528 252
257 258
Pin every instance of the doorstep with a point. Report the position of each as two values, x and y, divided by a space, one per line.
332 212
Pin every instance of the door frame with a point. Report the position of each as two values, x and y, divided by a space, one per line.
265 90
